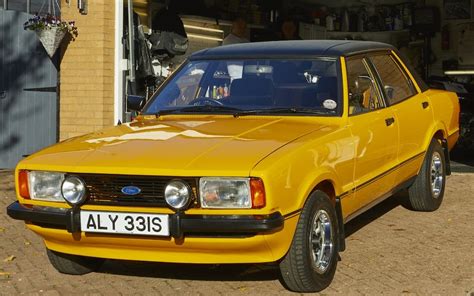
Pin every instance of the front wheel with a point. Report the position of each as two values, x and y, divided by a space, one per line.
310 264
426 193
73 264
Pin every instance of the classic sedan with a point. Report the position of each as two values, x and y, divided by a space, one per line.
248 153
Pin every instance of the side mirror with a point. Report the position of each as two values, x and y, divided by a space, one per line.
364 79
135 103
363 82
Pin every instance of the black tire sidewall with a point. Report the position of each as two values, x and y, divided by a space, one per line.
73 264
320 201
435 146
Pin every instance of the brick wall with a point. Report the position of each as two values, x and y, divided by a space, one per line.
87 70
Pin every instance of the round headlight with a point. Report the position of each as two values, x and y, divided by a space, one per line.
177 194
73 190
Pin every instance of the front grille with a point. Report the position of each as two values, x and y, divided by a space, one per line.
107 189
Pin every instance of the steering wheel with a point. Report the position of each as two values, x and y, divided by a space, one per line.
205 101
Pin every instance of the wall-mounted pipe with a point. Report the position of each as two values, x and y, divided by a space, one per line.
82 5
131 43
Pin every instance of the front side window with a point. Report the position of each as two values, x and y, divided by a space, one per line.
396 84
262 86
363 92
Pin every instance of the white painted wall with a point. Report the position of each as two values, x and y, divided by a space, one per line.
461 45
119 63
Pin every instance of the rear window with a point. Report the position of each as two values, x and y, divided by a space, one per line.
396 84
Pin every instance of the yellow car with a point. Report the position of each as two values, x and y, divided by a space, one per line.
249 153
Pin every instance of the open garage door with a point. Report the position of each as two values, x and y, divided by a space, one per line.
28 91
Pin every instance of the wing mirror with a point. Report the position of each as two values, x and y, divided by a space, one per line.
135 103
364 79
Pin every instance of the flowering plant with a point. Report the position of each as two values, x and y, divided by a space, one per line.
48 22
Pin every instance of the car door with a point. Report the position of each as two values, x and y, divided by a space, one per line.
413 113
375 133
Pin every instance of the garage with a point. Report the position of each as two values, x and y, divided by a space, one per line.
435 36
28 86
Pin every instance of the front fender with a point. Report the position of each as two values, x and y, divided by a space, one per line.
292 173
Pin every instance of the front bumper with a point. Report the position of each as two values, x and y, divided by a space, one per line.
180 223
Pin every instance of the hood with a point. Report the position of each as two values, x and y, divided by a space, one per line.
223 146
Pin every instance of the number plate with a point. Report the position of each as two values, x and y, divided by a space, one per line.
126 223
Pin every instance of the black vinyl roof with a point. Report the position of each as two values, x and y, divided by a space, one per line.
296 48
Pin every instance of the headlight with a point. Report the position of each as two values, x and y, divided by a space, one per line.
177 194
225 193
45 185
73 190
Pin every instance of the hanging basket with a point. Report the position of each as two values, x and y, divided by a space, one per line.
51 38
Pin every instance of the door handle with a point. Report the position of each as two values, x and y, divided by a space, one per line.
425 105
3 94
389 121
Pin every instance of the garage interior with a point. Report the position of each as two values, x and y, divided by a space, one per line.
435 35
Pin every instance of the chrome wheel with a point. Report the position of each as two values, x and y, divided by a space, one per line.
321 241
437 177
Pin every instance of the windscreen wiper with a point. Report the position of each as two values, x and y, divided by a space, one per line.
198 108
282 111
166 112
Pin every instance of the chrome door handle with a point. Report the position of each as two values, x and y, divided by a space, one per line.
389 121
425 105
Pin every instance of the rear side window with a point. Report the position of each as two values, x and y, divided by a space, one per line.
396 84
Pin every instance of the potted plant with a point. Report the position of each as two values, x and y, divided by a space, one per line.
51 30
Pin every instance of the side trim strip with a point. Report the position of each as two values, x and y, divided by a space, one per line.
291 214
376 178
403 185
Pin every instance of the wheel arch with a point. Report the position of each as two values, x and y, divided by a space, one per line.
328 186
439 133
323 179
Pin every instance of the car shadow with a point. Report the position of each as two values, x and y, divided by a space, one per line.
359 222
195 272
462 160
235 272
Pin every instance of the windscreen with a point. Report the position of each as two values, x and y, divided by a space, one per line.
260 86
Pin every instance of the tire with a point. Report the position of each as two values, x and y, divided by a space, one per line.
426 193
301 270
73 264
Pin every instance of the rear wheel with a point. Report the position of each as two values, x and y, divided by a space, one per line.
310 264
426 193
73 264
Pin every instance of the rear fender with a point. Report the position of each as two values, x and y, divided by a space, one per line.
438 131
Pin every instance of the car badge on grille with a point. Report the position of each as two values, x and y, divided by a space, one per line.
131 190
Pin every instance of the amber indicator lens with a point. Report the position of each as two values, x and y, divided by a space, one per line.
258 193
23 184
